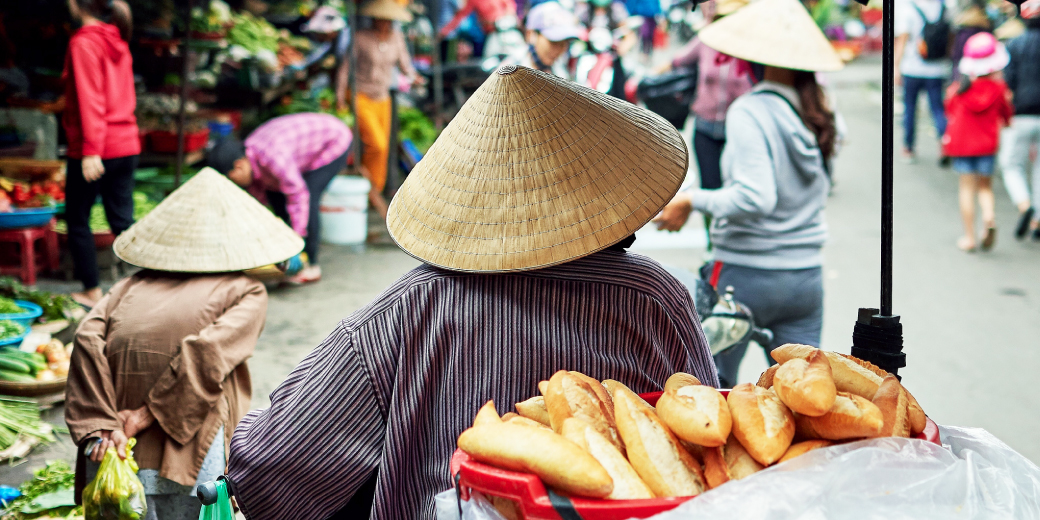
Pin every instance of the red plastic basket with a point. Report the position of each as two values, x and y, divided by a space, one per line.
533 501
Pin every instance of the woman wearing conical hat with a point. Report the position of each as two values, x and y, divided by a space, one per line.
520 213
162 357
769 226
379 48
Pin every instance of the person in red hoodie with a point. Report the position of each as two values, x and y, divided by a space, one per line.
977 108
101 128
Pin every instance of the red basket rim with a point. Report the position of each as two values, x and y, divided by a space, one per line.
530 494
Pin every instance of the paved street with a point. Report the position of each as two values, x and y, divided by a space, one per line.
970 321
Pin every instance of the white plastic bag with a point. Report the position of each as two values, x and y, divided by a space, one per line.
476 508
974 476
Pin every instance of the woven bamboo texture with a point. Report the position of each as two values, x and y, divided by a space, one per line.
780 33
536 171
387 10
208 225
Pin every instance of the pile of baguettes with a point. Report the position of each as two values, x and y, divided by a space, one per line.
588 438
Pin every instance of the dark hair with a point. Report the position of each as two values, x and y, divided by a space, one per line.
115 12
1034 22
815 113
224 154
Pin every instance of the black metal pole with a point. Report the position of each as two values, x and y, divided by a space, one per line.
887 122
181 115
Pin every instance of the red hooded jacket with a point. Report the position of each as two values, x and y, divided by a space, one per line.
99 95
975 118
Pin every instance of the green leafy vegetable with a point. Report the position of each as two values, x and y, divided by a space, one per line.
10 329
417 127
56 477
55 306
8 306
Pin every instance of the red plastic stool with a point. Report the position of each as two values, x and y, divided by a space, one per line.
26 238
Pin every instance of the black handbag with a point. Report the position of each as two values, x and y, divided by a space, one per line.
669 95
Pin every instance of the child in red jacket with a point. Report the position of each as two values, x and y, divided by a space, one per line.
977 108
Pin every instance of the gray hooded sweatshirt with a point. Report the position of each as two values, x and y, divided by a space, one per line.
769 211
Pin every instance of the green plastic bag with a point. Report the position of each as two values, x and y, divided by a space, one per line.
221 510
115 493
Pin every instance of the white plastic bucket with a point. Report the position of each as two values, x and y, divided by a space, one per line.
344 211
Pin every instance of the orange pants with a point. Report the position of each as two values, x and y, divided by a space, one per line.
374 124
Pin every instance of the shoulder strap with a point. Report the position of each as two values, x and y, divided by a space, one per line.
826 164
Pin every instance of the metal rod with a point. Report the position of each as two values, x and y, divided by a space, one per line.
887 131
181 115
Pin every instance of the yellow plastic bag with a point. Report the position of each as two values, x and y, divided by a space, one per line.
115 493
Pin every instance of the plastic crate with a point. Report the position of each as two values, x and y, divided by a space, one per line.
531 496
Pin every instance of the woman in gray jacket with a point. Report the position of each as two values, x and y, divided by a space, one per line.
769 226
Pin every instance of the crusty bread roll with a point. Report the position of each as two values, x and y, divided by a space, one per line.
806 387
509 415
728 462
766 379
654 452
570 396
601 392
613 386
848 375
627 484
801 448
534 409
679 380
851 417
487 415
696 413
524 421
918 419
761 422
895 408
560 463
542 387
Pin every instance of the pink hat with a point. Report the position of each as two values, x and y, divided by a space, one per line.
983 55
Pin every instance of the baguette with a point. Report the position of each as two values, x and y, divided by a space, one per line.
627 484
487 415
697 414
524 421
613 386
806 387
654 452
560 463
761 422
851 417
534 409
766 379
918 419
801 448
542 387
849 376
679 380
728 462
895 408
508 416
600 390
570 396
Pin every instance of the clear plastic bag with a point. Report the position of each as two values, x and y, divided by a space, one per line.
973 476
476 508
115 493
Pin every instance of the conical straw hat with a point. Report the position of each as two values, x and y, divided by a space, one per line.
208 225
780 33
536 171
386 10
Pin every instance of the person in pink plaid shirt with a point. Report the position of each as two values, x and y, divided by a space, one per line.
288 162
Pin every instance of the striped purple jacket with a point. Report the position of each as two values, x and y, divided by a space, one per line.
395 384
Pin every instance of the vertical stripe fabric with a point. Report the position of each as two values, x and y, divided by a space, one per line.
397 381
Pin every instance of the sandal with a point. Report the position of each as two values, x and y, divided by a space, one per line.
989 239
966 244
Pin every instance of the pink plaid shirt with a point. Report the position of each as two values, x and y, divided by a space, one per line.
283 149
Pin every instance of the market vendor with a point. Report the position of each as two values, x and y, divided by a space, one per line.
551 29
163 356
521 212
288 162
378 48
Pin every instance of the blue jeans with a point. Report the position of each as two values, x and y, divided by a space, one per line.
912 88
787 301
